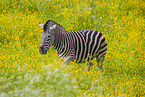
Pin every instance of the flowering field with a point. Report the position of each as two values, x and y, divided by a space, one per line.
25 73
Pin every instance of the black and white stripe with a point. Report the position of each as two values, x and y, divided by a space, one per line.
81 45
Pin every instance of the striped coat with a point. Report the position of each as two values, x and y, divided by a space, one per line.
81 45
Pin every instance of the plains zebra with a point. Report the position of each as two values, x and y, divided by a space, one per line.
81 45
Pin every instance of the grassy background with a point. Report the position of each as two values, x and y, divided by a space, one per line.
26 73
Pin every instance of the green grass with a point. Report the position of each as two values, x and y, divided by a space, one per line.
26 73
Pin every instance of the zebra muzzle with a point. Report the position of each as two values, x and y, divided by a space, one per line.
41 50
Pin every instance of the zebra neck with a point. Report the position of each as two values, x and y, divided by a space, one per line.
59 41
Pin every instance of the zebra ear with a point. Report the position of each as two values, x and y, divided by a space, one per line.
53 27
41 25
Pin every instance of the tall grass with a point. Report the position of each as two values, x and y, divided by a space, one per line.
24 72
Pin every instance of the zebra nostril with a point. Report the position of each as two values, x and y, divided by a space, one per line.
45 52
41 50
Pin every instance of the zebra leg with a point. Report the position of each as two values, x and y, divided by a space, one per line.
69 59
100 62
89 65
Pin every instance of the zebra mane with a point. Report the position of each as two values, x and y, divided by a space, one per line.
50 23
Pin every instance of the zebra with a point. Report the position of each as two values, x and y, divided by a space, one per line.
78 46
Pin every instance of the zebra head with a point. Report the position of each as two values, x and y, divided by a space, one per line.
47 36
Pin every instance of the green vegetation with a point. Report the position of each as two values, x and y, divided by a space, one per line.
26 73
